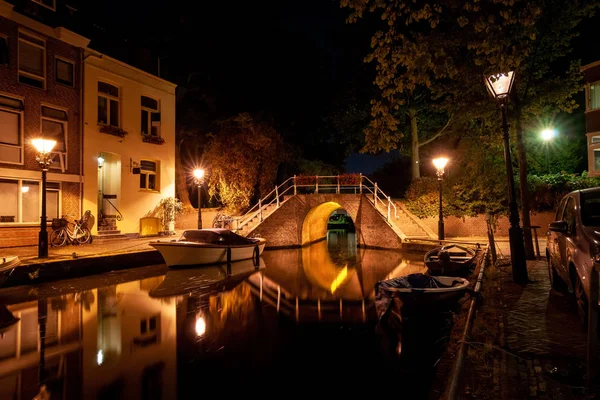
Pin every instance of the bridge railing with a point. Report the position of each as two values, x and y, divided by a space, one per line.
315 184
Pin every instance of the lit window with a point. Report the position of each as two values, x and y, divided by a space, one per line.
149 175
11 140
108 104
150 117
597 160
64 72
594 96
54 126
20 200
51 4
4 54
32 60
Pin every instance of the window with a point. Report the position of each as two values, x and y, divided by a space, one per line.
150 117
595 139
596 159
11 139
20 200
51 4
32 60
148 175
4 54
54 126
64 72
570 216
108 104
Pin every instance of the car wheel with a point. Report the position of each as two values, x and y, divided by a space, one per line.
581 302
556 282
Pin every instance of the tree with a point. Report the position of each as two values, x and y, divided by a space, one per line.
242 160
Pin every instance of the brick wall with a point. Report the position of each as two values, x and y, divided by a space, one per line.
70 199
15 236
476 226
55 94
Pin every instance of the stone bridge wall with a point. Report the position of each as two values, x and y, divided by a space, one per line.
302 219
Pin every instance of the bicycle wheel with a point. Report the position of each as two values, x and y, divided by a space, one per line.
58 238
84 236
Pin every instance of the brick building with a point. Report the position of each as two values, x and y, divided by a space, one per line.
591 73
40 94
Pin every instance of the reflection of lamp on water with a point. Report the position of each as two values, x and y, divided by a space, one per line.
200 325
100 357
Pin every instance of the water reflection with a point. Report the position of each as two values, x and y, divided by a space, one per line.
301 318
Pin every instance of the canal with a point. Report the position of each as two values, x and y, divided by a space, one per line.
302 322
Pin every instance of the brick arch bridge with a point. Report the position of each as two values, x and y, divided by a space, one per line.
302 219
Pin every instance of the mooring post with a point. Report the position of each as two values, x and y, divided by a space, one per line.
317 184
592 345
228 256
294 185
277 195
338 184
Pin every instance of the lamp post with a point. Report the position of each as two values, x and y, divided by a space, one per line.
199 177
499 87
43 147
440 163
547 135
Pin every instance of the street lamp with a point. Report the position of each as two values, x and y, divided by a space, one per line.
199 178
547 136
499 87
43 147
439 164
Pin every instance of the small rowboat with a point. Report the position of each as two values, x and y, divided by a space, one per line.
420 291
7 266
451 260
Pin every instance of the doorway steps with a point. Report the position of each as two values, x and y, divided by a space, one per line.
107 229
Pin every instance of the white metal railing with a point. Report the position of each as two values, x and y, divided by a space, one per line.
337 184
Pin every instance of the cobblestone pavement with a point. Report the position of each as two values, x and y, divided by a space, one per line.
543 339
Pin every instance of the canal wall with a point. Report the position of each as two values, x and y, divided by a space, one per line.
302 220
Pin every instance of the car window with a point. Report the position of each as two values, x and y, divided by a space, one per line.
569 215
590 208
559 210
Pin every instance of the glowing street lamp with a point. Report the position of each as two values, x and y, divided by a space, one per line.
199 178
440 164
547 136
200 325
44 148
499 87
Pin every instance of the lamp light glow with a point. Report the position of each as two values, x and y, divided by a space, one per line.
500 85
440 163
100 357
200 326
100 161
43 146
548 134
199 173
24 189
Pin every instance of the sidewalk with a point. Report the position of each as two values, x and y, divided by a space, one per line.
527 341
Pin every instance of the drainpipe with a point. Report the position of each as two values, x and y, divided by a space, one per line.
81 127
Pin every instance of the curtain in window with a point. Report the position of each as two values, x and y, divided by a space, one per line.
31 59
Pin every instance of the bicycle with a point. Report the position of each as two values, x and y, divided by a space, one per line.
76 232
222 221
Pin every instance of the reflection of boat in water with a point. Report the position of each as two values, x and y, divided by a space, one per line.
7 265
419 291
340 222
7 319
209 246
206 279
453 260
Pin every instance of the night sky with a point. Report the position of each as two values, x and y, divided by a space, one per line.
294 61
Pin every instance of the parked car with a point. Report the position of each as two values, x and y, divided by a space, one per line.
574 244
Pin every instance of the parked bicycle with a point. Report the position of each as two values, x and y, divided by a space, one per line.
76 232
222 221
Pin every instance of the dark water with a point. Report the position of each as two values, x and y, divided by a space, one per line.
303 323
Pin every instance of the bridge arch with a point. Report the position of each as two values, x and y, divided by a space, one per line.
314 227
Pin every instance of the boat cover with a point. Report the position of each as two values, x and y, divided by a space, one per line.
383 297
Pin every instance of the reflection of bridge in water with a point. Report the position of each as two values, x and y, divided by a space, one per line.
296 213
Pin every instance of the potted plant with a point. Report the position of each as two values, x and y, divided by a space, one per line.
169 208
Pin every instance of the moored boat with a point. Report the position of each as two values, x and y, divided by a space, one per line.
209 246
7 266
420 291
450 260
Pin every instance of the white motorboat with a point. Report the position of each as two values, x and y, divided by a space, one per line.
209 246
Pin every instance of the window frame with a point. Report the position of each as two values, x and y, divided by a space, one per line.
5 37
21 128
19 216
65 60
109 98
62 155
150 111
45 55
594 151
45 5
148 173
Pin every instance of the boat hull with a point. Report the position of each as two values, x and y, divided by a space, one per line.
177 254
459 263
